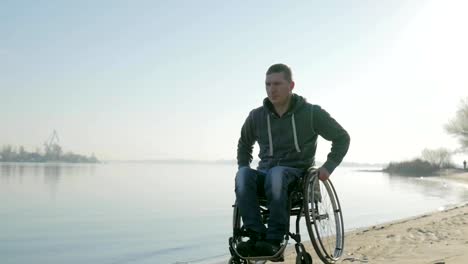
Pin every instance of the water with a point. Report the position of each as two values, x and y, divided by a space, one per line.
166 213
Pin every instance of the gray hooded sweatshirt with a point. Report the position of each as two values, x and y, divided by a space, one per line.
291 140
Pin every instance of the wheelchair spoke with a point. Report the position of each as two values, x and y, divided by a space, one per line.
324 220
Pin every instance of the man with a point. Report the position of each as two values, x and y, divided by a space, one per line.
286 128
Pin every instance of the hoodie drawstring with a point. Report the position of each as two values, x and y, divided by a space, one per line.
270 138
269 135
295 133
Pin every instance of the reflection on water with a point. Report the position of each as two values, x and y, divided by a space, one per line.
52 177
51 173
432 186
7 171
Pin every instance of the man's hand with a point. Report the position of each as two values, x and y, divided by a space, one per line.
323 174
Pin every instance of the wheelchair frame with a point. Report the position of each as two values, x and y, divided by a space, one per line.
302 193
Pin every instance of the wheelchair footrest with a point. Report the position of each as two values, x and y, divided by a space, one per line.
278 257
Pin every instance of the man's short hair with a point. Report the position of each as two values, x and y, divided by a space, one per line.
279 67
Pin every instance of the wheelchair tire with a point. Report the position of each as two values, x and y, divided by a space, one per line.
324 218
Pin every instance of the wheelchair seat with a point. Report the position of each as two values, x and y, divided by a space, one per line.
295 191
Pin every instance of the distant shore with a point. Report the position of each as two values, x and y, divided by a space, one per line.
49 162
452 172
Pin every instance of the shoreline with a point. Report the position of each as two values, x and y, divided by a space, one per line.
436 237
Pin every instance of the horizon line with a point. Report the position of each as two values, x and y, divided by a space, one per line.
221 161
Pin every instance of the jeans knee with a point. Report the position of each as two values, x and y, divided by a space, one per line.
276 183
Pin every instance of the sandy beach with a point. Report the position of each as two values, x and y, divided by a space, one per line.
438 237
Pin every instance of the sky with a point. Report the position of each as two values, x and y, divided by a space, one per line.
131 80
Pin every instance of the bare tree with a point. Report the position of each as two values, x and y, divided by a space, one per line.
441 157
458 126
8 153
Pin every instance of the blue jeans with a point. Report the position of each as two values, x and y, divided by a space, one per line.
272 183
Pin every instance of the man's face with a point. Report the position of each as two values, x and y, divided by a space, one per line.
278 88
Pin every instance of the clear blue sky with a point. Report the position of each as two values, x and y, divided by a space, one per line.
176 79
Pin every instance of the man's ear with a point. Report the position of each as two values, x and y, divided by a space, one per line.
291 86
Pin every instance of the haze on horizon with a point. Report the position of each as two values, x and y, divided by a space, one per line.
176 79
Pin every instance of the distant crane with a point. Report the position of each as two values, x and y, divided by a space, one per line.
52 147
54 139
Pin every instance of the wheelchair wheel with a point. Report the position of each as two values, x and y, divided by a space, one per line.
324 218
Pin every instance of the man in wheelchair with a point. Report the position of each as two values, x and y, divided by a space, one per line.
286 128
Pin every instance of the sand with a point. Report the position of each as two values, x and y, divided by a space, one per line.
438 237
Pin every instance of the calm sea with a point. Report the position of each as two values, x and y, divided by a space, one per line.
117 213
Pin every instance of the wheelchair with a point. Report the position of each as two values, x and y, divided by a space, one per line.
318 203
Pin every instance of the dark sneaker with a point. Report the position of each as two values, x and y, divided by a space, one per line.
247 248
267 247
